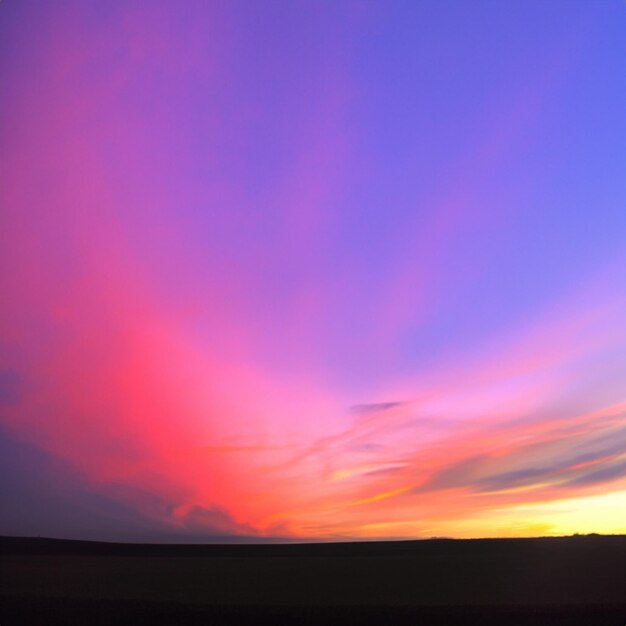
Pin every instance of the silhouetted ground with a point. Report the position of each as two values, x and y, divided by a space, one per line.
569 581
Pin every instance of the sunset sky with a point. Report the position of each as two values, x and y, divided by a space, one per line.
312 270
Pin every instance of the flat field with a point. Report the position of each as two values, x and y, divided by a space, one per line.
569 580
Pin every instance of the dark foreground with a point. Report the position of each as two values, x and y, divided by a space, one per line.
569 581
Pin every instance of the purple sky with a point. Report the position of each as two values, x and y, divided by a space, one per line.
312 269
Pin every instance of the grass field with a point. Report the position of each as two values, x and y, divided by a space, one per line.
572 580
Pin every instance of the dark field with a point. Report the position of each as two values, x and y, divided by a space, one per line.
571 580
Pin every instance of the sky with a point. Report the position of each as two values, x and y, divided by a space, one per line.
312 270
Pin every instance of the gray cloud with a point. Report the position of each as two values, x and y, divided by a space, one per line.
42 494
516 478
477 472
457 475
608 472
215 521
374 407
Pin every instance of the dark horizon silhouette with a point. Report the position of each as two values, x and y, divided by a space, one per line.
567 580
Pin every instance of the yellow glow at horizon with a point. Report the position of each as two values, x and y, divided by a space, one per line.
603 514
